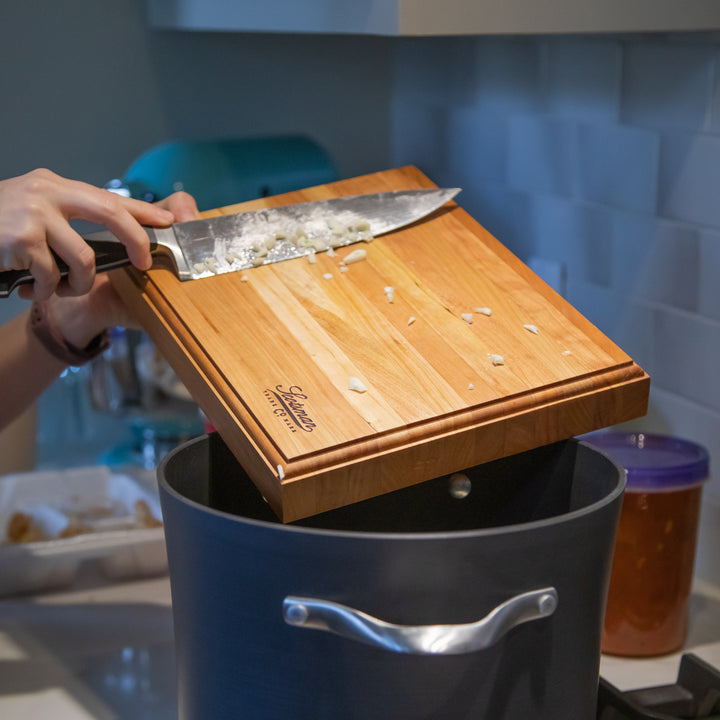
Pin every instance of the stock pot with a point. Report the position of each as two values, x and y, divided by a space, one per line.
478 595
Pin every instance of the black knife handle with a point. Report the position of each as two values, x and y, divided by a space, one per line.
109 254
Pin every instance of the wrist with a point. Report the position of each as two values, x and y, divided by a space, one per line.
69 341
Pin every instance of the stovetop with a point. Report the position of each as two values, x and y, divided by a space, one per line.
695 694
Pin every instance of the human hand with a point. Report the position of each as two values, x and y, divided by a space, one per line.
182 205
81 318
35 210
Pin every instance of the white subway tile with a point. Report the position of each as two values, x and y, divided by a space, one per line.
506 73
568 231
689 178
670 271
667 84
686 352
477 145
709 282
434 69
618 166
505 213
420 136
582 77
542 155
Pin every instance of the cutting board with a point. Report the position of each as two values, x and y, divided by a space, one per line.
268 355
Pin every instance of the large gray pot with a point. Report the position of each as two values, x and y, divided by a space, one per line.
335 617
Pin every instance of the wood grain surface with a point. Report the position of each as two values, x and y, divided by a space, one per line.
269 359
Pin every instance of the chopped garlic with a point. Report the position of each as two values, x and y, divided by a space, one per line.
244 278
484 311
311 257
328 276
471 386
337 228
411 320
355 256
360 226
281 472
467 317
356 385
497 359
344 268
390 293
532 328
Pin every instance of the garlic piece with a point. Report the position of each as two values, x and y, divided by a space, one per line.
467 317
411 320
390 293
328 276
497 359
355 256
356 385
484 311
532 328
281 472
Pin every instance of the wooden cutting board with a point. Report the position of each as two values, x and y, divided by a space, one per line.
268 358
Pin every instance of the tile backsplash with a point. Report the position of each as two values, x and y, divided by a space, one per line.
599 155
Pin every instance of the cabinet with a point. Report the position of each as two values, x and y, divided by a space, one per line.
436 17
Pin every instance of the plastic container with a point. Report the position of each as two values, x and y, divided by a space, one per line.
649 594
116 539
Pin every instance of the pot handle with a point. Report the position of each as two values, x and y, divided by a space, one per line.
420 639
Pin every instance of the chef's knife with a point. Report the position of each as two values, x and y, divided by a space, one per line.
201 248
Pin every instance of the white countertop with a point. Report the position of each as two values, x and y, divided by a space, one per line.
105 652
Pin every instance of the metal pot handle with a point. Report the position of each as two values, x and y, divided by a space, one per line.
420 639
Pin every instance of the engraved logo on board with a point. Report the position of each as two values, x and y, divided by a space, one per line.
289 406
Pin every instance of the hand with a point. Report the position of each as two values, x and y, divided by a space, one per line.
35 210
182 205
80 319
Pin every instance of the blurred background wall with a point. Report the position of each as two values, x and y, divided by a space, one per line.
595 158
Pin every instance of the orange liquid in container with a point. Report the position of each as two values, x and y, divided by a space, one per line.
648 599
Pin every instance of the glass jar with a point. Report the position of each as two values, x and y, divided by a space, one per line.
648 599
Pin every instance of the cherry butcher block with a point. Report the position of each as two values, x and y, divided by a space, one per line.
471 357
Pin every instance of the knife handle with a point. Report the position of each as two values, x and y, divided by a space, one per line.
109 254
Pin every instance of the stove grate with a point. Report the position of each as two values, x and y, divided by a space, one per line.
695 696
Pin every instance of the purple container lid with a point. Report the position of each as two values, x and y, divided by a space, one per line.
654 462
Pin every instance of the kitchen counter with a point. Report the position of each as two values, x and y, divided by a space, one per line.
105 651
101 651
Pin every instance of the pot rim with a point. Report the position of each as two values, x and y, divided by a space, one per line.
516 528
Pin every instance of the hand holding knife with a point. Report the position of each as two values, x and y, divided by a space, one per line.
39 246
192 243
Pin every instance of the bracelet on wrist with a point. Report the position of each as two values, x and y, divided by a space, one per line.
43 327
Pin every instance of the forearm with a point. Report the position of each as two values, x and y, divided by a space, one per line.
26 368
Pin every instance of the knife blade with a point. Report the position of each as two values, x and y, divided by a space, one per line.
211 246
